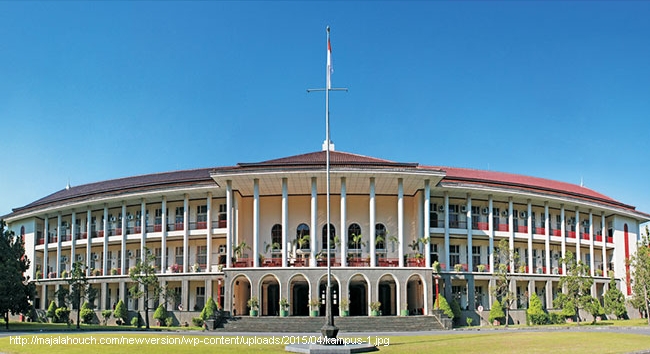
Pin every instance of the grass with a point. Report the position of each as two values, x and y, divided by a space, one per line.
468 342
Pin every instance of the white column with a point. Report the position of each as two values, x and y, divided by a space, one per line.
163 237
229 223
46 235
468 216
285 219
547 240
427 222
186 234
578 234
89 240
446 246
143 230
256 221
592 257
105 259
343 229
491 233
511 228
58 245
529 220
125 271
563 232
208 237
603 232
313 238
73 229
400 218
371 227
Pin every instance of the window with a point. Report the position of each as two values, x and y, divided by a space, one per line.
453 216
380 236
158 219
354 237
179 216
276 237
476 256
324 236
179 255
200 298
222 215
202 255
433 216
302 236
158 254
454 255
495 218
201 213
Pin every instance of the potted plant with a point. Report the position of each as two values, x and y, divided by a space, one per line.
436 267
522 269
458 267
404 311
481 268
39 275
599 272
374 308
314 304
220 268
284 307
254 304
64 274
175 268
344 306
196 268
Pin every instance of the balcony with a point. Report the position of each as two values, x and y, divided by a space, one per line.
481 225
358 262
272 262
199 225
610 239
522 229
556 232
540 231
571 234
503 227
415 262
334 262
41 241
388 262
178 226
585 236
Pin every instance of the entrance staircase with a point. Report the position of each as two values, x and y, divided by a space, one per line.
300 324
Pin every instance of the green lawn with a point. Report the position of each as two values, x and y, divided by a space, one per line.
468 342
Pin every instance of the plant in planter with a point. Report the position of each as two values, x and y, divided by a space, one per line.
196 268
64 274
314 304
481 268
458 267
522 269
254 304
599 272
113 271
39 275
436 267
175 268
97 272
374 308
220 268
284 307
405 309
344 306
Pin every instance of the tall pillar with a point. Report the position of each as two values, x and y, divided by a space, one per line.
58 245
143 230
89 239
603 232
578 235
491 231
285 220
547 239
103 289
549 294
163 237
529 219
313 238
592 267
229 223
186 234
427 222
343 229
46 235
73 230
185 295
511 228
125 270
446 246
256 222
470 253
563 232
105 265
208 237
371 218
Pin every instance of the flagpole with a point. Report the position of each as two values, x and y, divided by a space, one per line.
329 330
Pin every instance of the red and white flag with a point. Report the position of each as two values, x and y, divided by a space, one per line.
330 68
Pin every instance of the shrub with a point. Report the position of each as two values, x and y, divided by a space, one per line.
496 313
556 318
135 322
121 312
444 306
106 314
62 315
197 321
209 310
169 321
455 307
51 311
87 314
535 312
160 314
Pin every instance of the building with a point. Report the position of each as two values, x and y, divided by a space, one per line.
236 232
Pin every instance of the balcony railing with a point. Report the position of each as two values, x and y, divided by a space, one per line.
415 262
272 262
334 262
178 226
480 225
585 236
556 232
571 234
198 225
540 230
522 229
502 227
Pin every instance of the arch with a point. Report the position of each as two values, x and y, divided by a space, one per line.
241 293
324 236
302 236
335 293
415 295
388 294
276 238
354 230
380 236
269 290
299 295
359 295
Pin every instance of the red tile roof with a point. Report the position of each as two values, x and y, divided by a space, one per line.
319 158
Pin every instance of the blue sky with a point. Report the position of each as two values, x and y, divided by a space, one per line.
101 90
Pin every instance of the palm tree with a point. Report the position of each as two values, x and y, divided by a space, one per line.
241 247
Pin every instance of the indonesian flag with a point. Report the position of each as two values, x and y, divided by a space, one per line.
330 68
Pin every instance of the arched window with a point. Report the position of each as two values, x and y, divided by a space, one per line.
276 237
354 237
324 237
302 237
380 236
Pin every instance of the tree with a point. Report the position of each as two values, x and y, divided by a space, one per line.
640 263
106 314
160 314
615 300
443 305
501 290
79 287
535 311
576 285
16 292
147 286
210 309
496 312
51 311
120 311
87 313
